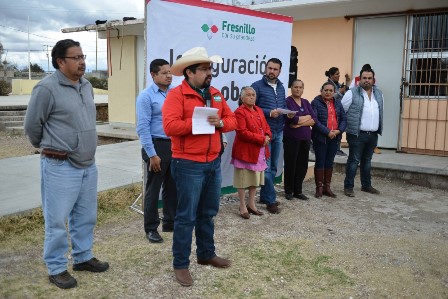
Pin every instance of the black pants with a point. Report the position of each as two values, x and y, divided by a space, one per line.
296 153
154 182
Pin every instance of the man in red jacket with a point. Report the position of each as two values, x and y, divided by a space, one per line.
195 166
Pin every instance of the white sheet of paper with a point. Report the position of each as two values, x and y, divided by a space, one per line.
285 111
199 121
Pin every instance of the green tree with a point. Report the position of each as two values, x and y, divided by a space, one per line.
35 68
98 83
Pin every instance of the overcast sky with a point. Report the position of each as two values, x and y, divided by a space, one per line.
48 17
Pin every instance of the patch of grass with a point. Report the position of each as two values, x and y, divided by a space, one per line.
11 226
279 267
111 204
115 203
319 267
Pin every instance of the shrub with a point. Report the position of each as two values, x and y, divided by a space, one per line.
5 88
98 83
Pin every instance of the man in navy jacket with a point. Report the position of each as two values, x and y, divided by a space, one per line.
270 96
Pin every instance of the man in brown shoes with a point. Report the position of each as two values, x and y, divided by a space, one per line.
196 166
183 276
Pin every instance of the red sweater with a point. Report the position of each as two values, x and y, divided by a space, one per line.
250 134
177 112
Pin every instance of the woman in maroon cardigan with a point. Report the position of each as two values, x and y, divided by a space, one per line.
249 151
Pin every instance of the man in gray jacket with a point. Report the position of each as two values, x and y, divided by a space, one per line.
61 121
364 107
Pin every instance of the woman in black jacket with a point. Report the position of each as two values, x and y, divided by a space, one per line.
331 123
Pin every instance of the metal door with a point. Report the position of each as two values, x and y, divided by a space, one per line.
380 42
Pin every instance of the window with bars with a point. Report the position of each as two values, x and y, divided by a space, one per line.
427 69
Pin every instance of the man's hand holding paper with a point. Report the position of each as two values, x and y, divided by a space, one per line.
204 119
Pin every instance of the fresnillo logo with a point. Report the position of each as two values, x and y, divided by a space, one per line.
244 28
210 30
227 28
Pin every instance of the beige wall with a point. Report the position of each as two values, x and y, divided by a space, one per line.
322 44
123 80
20 86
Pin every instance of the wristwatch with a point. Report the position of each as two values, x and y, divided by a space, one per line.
221 124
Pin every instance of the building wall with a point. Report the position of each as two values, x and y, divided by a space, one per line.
20 86
322 44
425 126
123 80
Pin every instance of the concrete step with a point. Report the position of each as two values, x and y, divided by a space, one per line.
12 112
10 124
7 118
16 130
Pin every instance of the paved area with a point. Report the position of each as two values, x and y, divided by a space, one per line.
120 164
22 100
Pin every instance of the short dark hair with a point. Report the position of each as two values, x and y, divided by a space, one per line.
333 70
297 80
192 68
275 60
60 50
366 70
325 84
156 64
366 67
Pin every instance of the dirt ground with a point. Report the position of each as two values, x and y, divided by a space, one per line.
394 245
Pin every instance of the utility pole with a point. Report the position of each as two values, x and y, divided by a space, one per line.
48 58
29 59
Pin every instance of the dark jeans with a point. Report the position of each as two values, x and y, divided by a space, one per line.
325 152
296 154
199 188
361 151
154 182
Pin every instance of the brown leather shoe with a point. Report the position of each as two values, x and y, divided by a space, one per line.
273 209
183 277
370 190
349 192
245 215
216 261
255 212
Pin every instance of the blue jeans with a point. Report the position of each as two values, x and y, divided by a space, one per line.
267 191
198 191
67 192
325 152
361 151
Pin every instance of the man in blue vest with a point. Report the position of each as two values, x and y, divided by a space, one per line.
270 96
364 107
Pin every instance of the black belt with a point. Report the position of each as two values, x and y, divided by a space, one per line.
368 132
160 139
50 153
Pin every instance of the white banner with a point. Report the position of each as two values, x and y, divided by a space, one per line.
245 39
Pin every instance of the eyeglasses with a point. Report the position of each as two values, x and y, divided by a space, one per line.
77 57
